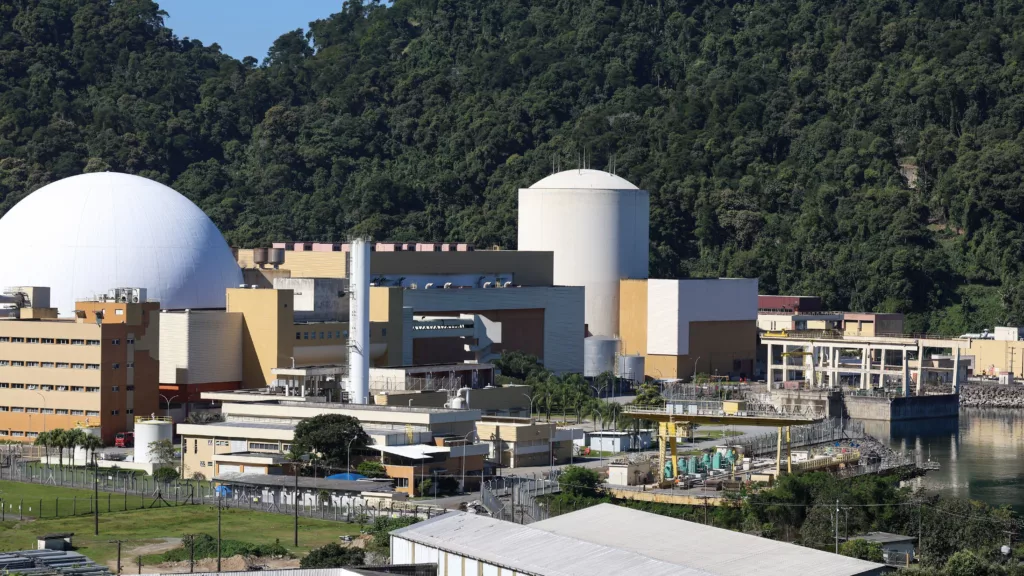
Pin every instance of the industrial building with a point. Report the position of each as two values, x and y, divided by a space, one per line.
258 429
687 327
96 369
515 442
608 539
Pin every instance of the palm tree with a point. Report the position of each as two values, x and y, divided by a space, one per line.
75 439
91 444
44 439
614 410
59 438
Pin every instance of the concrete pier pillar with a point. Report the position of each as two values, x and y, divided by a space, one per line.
920 367
956 370
906 374
770 378
865 365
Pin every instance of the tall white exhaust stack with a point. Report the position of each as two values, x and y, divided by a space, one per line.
359 322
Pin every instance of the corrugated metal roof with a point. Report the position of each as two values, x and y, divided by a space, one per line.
287 481
527 550
715 550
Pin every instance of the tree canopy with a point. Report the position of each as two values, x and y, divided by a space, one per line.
331 435
867 152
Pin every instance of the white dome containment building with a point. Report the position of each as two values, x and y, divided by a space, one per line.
597 225
87 234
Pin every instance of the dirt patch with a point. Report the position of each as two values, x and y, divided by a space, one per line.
156 546
231 564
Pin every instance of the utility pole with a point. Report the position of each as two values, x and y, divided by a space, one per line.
920 530
118 542
95 495
837 526
295 503
218 531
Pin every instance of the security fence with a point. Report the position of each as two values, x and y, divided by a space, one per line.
831 430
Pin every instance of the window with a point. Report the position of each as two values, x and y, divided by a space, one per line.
62 388
262 446
119 312
17 385
298 335
92 389
46 340
32 364
78 342
116 341
116 366
4 409
131 364
131 340
321 335
329 334
130 387
63 341
78 366
33 386
92 412
113 388
337 333
32 340
17 339
17 363
61 411
77 412
401 482
77 389
130 411
113 412
383 331
63 365
5 362
5 339
47 410
32 410
92 342
17 433
32 434
46 365
92 366
17 409
210 464
46 387
286 447
305 335
223 443
4 385
195 446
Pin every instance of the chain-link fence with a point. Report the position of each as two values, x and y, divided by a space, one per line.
516 498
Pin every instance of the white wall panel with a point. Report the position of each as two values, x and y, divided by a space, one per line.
200 347
673 304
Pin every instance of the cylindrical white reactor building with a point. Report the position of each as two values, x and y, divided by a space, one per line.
597 224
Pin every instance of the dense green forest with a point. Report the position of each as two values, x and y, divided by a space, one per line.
869 152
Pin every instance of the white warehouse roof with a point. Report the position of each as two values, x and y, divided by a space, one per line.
700 547
84 235
523 549
584 179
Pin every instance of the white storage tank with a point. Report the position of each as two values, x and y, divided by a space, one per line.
631 368
597 225
147 431
81 455
599 355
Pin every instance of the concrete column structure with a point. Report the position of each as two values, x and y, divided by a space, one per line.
956 370
771 371
906 375
920 368
865 364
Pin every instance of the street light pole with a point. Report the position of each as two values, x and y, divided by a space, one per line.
168 403
695 377
43 398
348 455
95 495
530 398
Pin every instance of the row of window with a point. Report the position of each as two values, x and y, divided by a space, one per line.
56 411
53 387
18 434
72 365
335 334
71 341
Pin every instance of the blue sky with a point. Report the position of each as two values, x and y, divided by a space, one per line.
243 27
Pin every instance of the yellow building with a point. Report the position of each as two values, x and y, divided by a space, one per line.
98 368
683 327
516 442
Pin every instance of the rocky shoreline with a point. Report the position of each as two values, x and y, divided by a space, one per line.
978 395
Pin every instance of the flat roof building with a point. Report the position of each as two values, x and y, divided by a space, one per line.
608 540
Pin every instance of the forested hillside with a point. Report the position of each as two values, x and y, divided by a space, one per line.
770 133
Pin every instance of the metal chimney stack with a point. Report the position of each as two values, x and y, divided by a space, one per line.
359 322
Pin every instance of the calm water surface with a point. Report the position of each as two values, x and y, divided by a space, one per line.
981 454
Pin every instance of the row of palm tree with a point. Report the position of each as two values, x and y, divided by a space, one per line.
572 393
62 439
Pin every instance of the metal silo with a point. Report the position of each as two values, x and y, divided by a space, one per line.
599 355
147 431
597 226
631 368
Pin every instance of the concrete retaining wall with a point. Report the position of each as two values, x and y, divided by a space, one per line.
830 402
910 408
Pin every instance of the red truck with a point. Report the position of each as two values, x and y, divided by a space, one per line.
124 439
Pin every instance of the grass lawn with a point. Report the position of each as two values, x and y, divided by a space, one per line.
140 527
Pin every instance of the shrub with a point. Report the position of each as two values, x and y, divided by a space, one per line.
165 474
371 469
333 556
